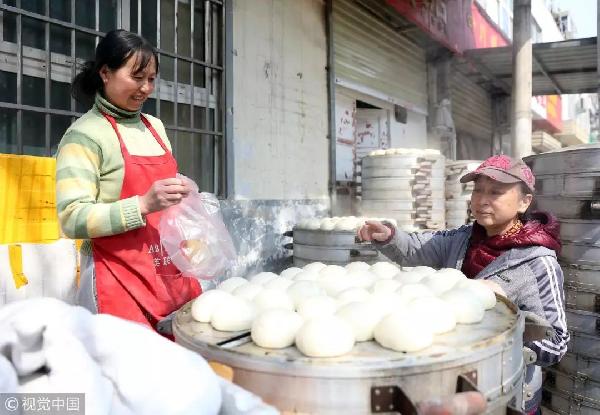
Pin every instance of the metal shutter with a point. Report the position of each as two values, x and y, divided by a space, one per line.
374 59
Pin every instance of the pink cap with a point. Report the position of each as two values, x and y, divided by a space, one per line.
503 169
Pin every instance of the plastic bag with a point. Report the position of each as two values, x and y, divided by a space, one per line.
194 235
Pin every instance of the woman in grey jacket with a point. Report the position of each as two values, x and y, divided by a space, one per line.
513 252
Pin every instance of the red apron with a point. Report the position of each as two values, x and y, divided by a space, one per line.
135 278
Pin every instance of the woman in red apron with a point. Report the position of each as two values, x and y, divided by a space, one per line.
128 273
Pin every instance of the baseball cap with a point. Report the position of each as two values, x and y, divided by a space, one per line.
503 169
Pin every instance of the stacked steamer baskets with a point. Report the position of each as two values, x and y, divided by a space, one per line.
458 195
359 339
405 184
567 183
333 241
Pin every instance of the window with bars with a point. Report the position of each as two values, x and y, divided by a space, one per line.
43 42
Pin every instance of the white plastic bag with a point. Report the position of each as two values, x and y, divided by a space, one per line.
194 235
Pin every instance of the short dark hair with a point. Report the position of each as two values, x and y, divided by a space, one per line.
525 190
113 50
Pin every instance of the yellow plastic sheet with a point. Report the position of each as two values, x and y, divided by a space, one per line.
78 243
15 257
28 199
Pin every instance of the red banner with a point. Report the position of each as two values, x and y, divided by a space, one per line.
457 24
461 25
551 120
443 20
485 34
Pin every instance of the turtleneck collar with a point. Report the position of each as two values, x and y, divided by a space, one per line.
103 105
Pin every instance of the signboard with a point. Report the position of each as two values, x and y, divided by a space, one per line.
461 25
547 113
443 20
457 24
485 34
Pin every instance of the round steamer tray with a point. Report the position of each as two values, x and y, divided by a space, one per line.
370 377
304 254
400 204
451 224
584 344
371 172
582 298
583 322
584 186
584 277
457 204
456 216
430 219
462 164
402 217
331 247
575 364
458 187
580 253
453 194
567 404
327 238
582 231
386 194
566 208
386 183
587 389
390 162
422 174
301 262
576 159
405 161
391 183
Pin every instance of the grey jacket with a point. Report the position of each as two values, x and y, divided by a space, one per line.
530 276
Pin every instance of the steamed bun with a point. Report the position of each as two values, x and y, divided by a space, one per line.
404 331
231 284
233 314
275 328
467 308
363 317
328 336
205 304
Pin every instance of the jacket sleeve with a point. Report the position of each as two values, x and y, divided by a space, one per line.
419 248
550 281
80 213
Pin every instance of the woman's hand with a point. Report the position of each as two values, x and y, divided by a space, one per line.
374 230
163 194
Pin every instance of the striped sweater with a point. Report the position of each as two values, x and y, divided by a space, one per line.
90 170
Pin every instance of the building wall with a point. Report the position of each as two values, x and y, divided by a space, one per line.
543 17
412 134
280 151
280 144
345 126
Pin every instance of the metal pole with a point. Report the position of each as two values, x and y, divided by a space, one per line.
598 66
522 79
229 170
331 99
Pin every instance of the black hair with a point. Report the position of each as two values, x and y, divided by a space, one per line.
525 190
113 50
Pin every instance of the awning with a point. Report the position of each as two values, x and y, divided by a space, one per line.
566 67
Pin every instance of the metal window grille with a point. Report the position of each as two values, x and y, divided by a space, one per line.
43 42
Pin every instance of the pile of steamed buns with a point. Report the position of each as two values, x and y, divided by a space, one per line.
405 151
325 309
337 223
